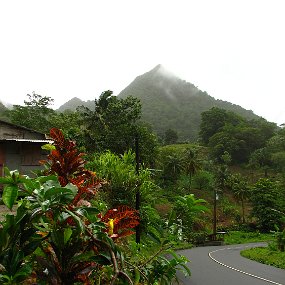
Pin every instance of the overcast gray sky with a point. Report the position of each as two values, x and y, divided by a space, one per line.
234 50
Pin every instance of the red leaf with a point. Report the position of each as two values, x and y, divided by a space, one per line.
57 136
124 218
68 163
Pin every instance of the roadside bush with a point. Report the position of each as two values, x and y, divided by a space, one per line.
186 214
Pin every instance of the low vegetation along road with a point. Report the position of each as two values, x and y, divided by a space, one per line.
224 265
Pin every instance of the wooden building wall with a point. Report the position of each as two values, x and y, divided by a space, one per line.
20 148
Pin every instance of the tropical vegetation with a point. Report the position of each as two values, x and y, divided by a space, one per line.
113 200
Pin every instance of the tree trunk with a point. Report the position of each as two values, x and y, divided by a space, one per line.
215 215
243 214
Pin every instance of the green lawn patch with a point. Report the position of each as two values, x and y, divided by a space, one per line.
238 237
266 256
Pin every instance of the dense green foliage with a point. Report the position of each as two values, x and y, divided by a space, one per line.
35 114
214 120
173 160
225 131
57 237
241 198
113 125
185 215
233 178
267 197
124 181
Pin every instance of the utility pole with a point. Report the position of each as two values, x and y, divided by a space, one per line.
138 194
215 215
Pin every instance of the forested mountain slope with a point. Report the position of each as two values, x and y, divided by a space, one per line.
73 103
171 103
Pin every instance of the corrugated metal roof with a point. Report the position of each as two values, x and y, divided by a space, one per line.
28 140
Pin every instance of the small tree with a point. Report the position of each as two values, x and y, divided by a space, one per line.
203 180
191 164
262 159
173 166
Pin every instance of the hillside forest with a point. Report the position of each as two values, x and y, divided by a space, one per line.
169 102
107 205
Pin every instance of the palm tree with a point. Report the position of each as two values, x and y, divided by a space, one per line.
191 164
173 166
241 191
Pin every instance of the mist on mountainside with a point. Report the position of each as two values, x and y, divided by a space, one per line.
169 102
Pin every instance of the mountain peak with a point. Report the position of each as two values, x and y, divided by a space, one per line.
157 68
71 104
161 71
169 102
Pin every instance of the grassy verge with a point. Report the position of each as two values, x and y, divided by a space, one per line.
266 255
237 237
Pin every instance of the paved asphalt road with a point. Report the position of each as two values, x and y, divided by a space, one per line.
223 265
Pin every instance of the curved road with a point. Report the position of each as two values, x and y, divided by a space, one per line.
223 265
